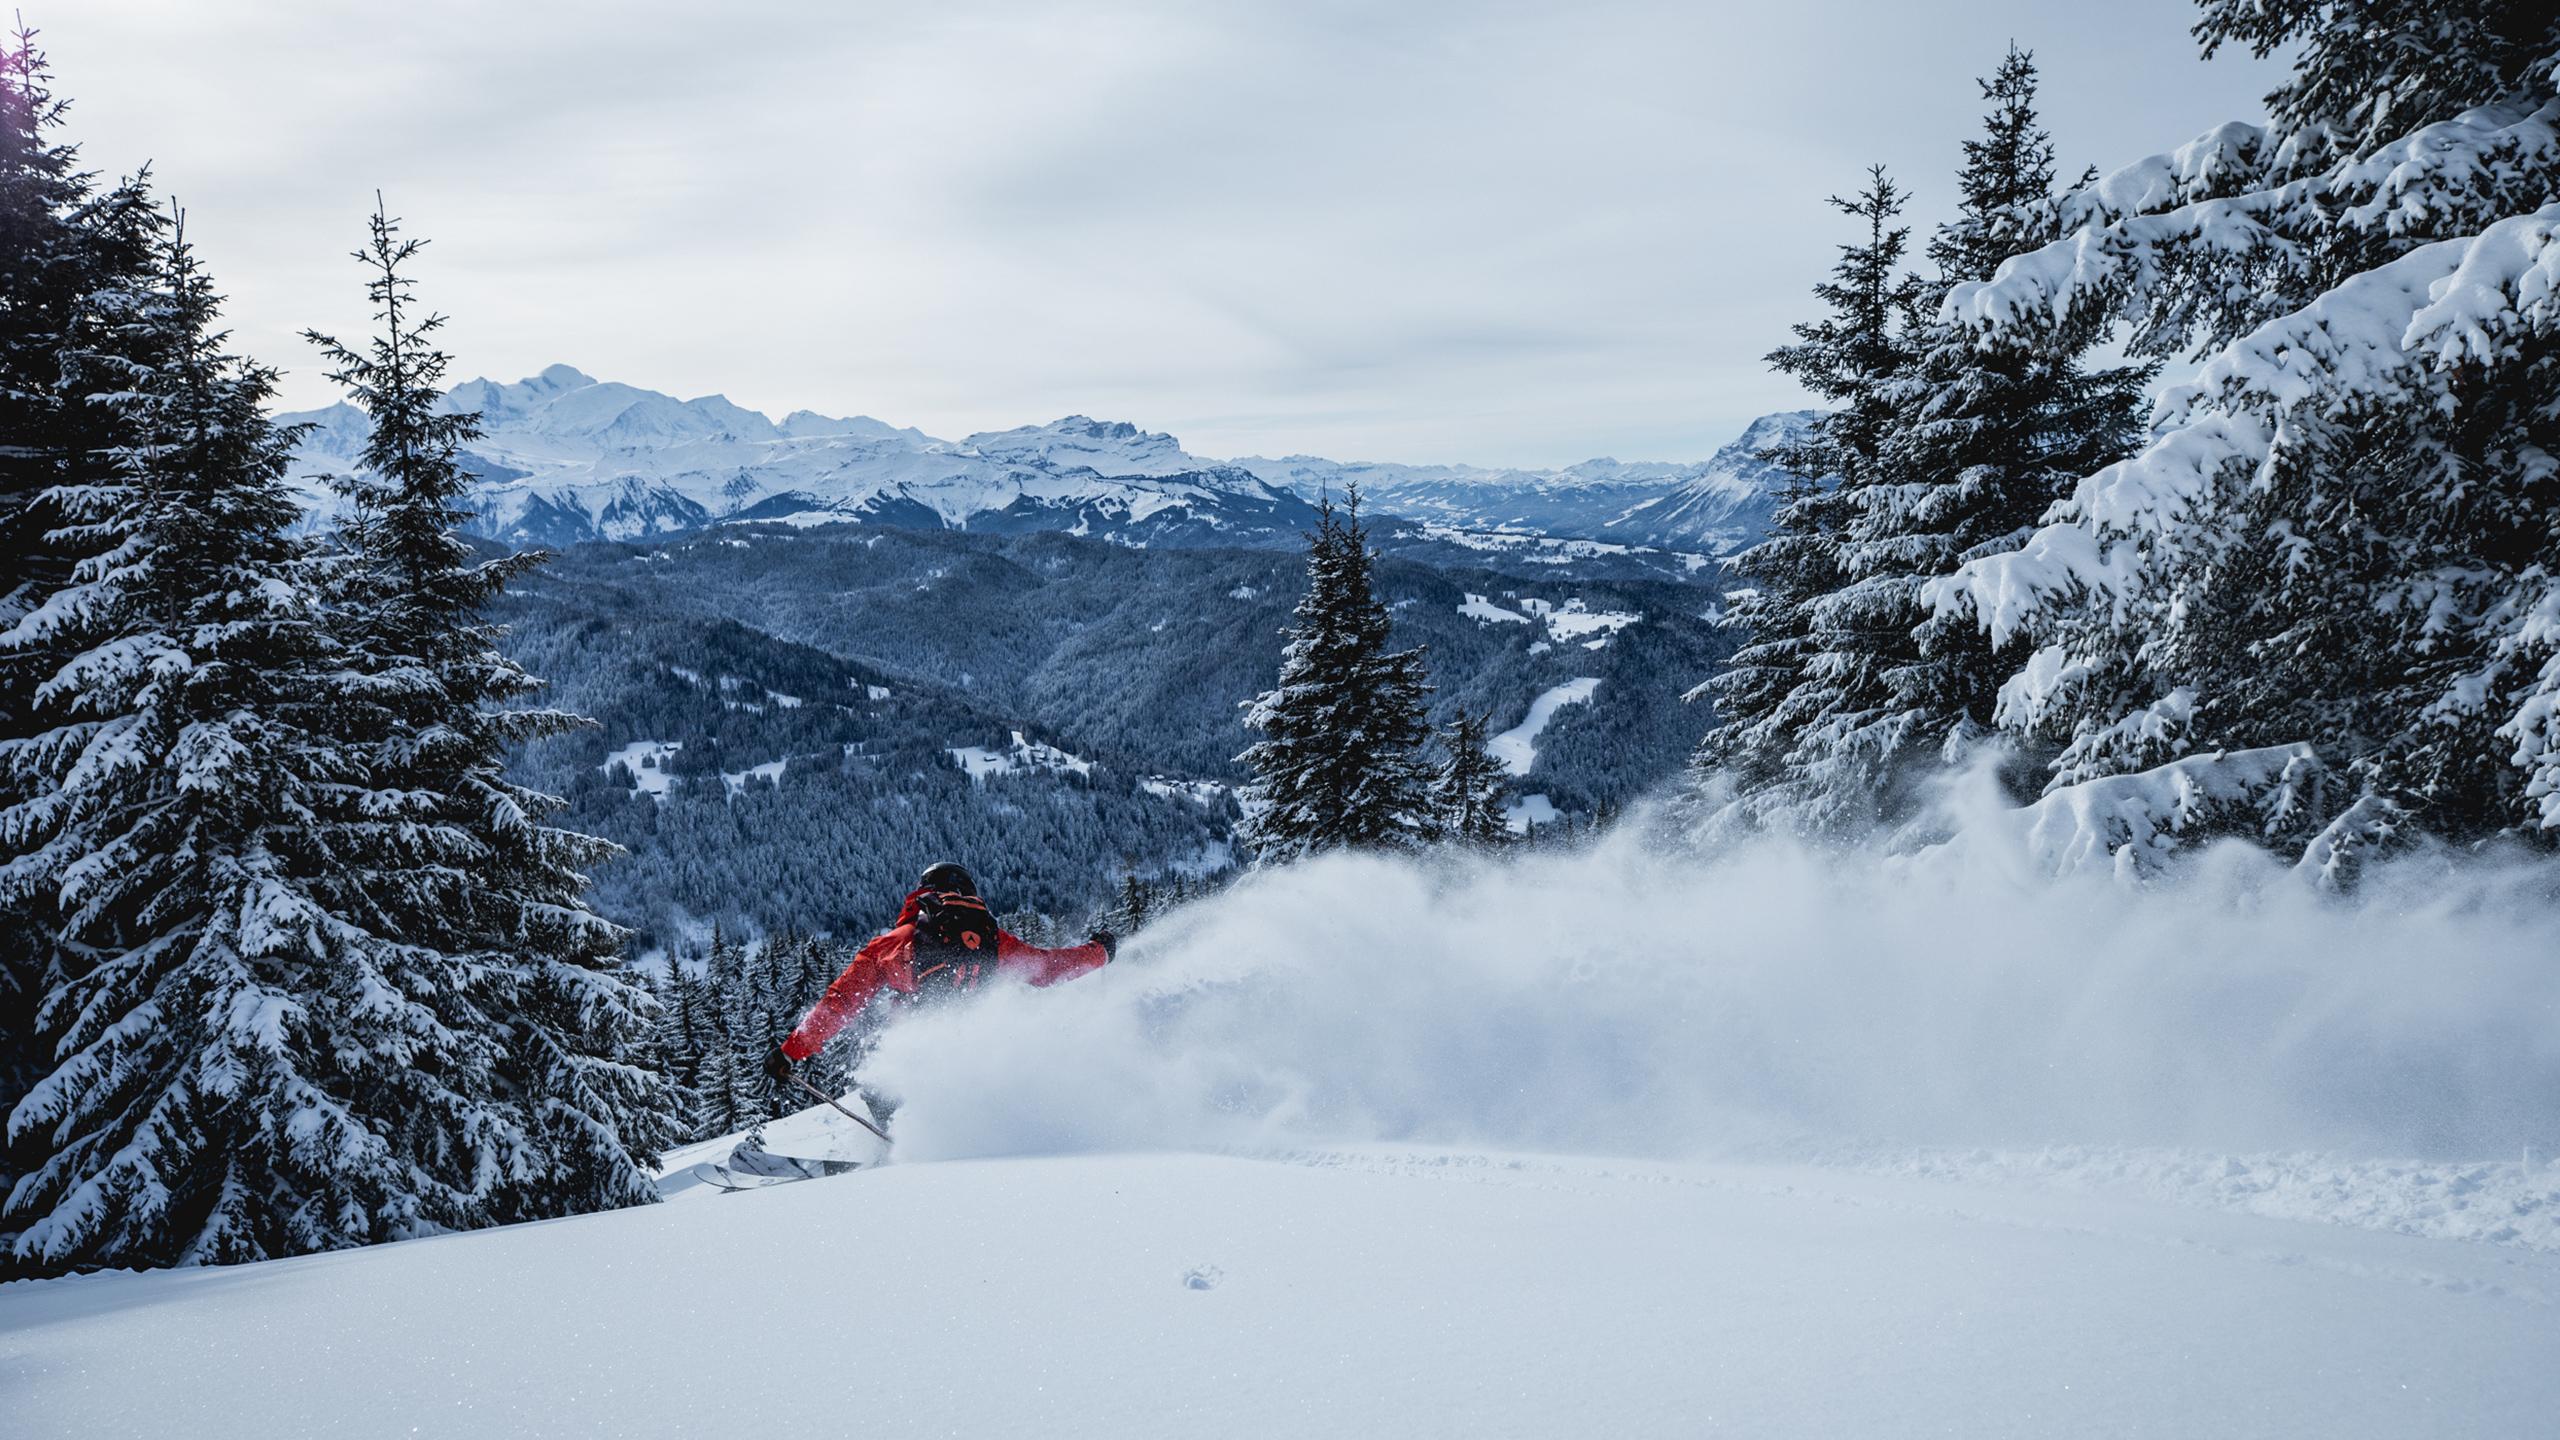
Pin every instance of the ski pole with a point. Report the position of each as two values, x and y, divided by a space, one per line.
849 1115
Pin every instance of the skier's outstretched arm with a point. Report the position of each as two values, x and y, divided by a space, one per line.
1016 956
886 961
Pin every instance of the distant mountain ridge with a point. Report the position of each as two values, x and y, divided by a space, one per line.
1713 508
566 458
1726 503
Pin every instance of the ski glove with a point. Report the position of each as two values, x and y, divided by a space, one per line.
777 1066
1110 944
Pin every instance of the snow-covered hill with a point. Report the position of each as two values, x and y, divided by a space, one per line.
1601 1143
567 457
1326 1294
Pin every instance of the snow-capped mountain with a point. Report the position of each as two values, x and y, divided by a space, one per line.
1724 504
1711 508
566 457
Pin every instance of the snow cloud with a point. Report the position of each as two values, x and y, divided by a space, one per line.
1617 1002
1442 230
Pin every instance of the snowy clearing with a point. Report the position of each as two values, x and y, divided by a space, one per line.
1024 754
651 775
1528 810
1484 612
1573 621
647 762
769 772
1205 793
1517 747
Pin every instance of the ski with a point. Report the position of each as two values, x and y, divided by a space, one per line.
722 1177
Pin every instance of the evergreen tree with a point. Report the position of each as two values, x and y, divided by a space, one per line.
458 862
1978 442
2323 590
831 1069
1466 798
1780 682
1339 763
1136 903
2372 71
237 1070
676 1047
68 250
723 1087
71 255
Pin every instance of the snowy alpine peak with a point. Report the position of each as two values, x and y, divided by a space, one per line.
1106 447
1725 504
1711 507
1738 468
337 433
566 409
568 457
809 424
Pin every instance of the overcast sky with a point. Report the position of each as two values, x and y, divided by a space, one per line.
1415 230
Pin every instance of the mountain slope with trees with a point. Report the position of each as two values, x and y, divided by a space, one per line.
834 672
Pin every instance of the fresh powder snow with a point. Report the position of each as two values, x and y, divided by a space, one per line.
1336 1292
1880 1151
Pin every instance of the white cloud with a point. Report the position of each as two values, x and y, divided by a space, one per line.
1435 230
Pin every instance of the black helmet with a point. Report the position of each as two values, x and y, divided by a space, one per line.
949 876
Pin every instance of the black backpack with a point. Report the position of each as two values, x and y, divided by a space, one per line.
955 943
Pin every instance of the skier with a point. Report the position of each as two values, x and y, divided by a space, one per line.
945 942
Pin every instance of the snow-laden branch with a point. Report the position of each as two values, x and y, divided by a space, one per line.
2379 334
2200 208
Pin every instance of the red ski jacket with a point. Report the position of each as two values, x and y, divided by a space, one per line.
889 960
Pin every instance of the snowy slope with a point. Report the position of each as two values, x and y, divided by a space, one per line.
1600 1142
1336 1293
568 457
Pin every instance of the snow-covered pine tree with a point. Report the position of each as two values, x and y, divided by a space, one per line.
236 1070
1466 796
768 1009
732 1091
2335 552
67 247
1339 765
1778 685
1980 440
1137 901
68 252
458 862
676 1046
831 1069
